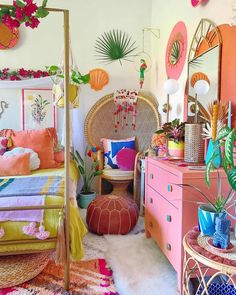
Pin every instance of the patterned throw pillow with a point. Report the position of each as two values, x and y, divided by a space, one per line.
3 145
112 146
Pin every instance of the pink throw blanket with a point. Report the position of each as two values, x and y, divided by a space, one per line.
24 215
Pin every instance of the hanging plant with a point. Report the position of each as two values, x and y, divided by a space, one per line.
114 45
23 12
75 76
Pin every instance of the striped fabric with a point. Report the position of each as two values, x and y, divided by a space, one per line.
31 186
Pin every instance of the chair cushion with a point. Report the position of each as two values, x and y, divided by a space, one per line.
111 214
126 159
117 173
112 146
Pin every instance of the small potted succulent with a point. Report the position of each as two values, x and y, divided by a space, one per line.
89 169
174 132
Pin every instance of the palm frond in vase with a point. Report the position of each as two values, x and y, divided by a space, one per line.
114 45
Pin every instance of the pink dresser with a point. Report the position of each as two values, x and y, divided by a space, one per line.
170 211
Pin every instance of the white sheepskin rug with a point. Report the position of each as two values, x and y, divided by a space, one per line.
139 267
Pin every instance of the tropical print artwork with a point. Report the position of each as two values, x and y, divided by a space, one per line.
38 109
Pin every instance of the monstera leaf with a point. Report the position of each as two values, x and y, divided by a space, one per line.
231 174
223 132
229 147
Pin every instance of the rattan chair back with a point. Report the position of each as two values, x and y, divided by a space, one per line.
99 122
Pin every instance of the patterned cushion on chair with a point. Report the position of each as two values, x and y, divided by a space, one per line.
117 173
109 214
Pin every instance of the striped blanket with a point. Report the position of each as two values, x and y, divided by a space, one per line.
31 186
28 191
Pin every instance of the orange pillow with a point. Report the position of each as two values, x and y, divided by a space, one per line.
15 165
39 141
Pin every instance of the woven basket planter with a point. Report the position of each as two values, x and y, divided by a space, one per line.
194 144
17 269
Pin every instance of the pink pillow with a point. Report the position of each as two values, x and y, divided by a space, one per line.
40 141
3 145
15 165
125 159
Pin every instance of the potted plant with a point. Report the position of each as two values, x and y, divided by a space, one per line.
208 212
89 169
174 132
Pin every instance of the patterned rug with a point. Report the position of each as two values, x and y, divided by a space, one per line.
91 277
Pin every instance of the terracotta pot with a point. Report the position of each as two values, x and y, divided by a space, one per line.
176 150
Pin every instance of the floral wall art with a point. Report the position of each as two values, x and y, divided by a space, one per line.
38 110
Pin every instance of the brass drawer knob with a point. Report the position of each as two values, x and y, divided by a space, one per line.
150 200
168 247
151 176
169 188
168 218
151 224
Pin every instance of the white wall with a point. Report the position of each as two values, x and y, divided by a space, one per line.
165 14
89 19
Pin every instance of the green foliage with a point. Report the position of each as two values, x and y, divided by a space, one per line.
88 168
114 45
41 12
227 139
175 53
75 76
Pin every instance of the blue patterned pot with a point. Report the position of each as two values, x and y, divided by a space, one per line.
218 289
206 220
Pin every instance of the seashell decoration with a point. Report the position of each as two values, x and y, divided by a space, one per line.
98 79
199 76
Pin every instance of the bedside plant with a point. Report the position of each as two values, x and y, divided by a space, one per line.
89 170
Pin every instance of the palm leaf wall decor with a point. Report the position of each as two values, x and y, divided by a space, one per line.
114 45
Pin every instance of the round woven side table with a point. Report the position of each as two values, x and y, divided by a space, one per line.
206 265
17 269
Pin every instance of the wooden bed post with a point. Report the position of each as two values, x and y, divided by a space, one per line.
67 148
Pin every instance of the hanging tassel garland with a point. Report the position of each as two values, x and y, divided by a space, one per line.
61 248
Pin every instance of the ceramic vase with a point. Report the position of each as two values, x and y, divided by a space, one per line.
176 150
221 238
84 199
207 220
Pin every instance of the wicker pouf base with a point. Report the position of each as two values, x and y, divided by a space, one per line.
17 269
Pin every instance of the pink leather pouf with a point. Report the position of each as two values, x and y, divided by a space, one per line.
109 214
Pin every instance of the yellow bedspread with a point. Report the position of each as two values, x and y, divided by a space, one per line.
13 230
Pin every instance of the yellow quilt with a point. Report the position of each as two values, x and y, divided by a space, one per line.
13 230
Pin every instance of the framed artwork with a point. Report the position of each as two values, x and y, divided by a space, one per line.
38 109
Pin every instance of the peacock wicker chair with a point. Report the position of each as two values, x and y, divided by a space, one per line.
99 123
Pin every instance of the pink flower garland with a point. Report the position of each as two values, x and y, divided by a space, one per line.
6 74
23 11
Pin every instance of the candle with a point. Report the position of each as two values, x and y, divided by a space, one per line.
229 113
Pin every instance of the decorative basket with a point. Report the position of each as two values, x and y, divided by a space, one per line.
17 269
194 144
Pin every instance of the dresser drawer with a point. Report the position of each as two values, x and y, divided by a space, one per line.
164 182
162 221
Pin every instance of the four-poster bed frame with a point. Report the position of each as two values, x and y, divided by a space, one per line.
66 206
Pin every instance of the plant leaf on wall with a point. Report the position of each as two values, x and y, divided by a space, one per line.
114 45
